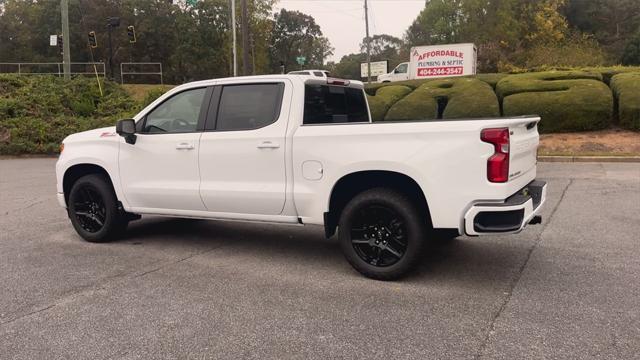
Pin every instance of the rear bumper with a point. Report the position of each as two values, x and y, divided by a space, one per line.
509 216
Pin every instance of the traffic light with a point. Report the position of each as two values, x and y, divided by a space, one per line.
60 46
92 39
131 33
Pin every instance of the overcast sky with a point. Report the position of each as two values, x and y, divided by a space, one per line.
342 21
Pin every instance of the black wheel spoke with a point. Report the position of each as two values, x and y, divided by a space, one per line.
393 251
359 241
98 221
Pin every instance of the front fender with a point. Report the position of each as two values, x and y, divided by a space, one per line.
103 154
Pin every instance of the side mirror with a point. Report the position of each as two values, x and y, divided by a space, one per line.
127 129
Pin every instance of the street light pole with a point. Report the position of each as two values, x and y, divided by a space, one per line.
110 54
368 41
112 22
66 48
245 39
233 28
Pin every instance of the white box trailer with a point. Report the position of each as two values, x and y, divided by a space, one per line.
435 61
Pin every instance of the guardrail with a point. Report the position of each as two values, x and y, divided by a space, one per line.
146 68
26 68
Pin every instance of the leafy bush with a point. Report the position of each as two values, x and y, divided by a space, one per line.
458 97
29 135
565 100
626 90
384 98
608 72
36 113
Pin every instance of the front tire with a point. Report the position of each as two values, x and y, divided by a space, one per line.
93 209
381 233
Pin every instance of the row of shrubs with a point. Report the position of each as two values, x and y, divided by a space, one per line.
566 100
36 113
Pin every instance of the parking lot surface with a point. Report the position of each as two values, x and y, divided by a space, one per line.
569 288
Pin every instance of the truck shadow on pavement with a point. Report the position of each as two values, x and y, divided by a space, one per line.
471 261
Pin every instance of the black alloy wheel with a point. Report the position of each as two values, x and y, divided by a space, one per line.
89 209
93 209
381 233
378 236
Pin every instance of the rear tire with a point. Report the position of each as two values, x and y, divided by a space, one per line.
93 209
381 233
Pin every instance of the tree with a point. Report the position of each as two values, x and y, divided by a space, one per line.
611 22
438 23
385 47
349 66
545 23
296 34
192 40
631 53
505 32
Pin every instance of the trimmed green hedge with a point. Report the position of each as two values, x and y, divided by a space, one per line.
609 72
384 98
565 100
491 78
542 81
464 98
626 90
38 112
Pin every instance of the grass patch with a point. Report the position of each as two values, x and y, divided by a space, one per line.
626 90
144 93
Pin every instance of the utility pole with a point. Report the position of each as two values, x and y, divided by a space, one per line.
368 40
245 39
66 48
112 22
235 48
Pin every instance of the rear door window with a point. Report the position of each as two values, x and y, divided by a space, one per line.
249 106
327 104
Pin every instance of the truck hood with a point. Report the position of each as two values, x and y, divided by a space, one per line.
102 134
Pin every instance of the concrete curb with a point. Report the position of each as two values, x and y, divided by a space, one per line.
613 159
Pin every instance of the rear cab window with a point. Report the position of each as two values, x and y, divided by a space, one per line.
333 104
247 106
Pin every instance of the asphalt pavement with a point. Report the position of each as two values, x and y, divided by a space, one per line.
566 289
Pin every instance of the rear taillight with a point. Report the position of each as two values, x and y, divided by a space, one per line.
498 163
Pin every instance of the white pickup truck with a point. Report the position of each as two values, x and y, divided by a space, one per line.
303 150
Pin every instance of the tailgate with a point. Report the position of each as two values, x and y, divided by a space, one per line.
523 143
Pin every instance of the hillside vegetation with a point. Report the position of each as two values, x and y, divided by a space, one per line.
38 112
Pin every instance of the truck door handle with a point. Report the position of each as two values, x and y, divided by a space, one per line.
268 145
185 146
